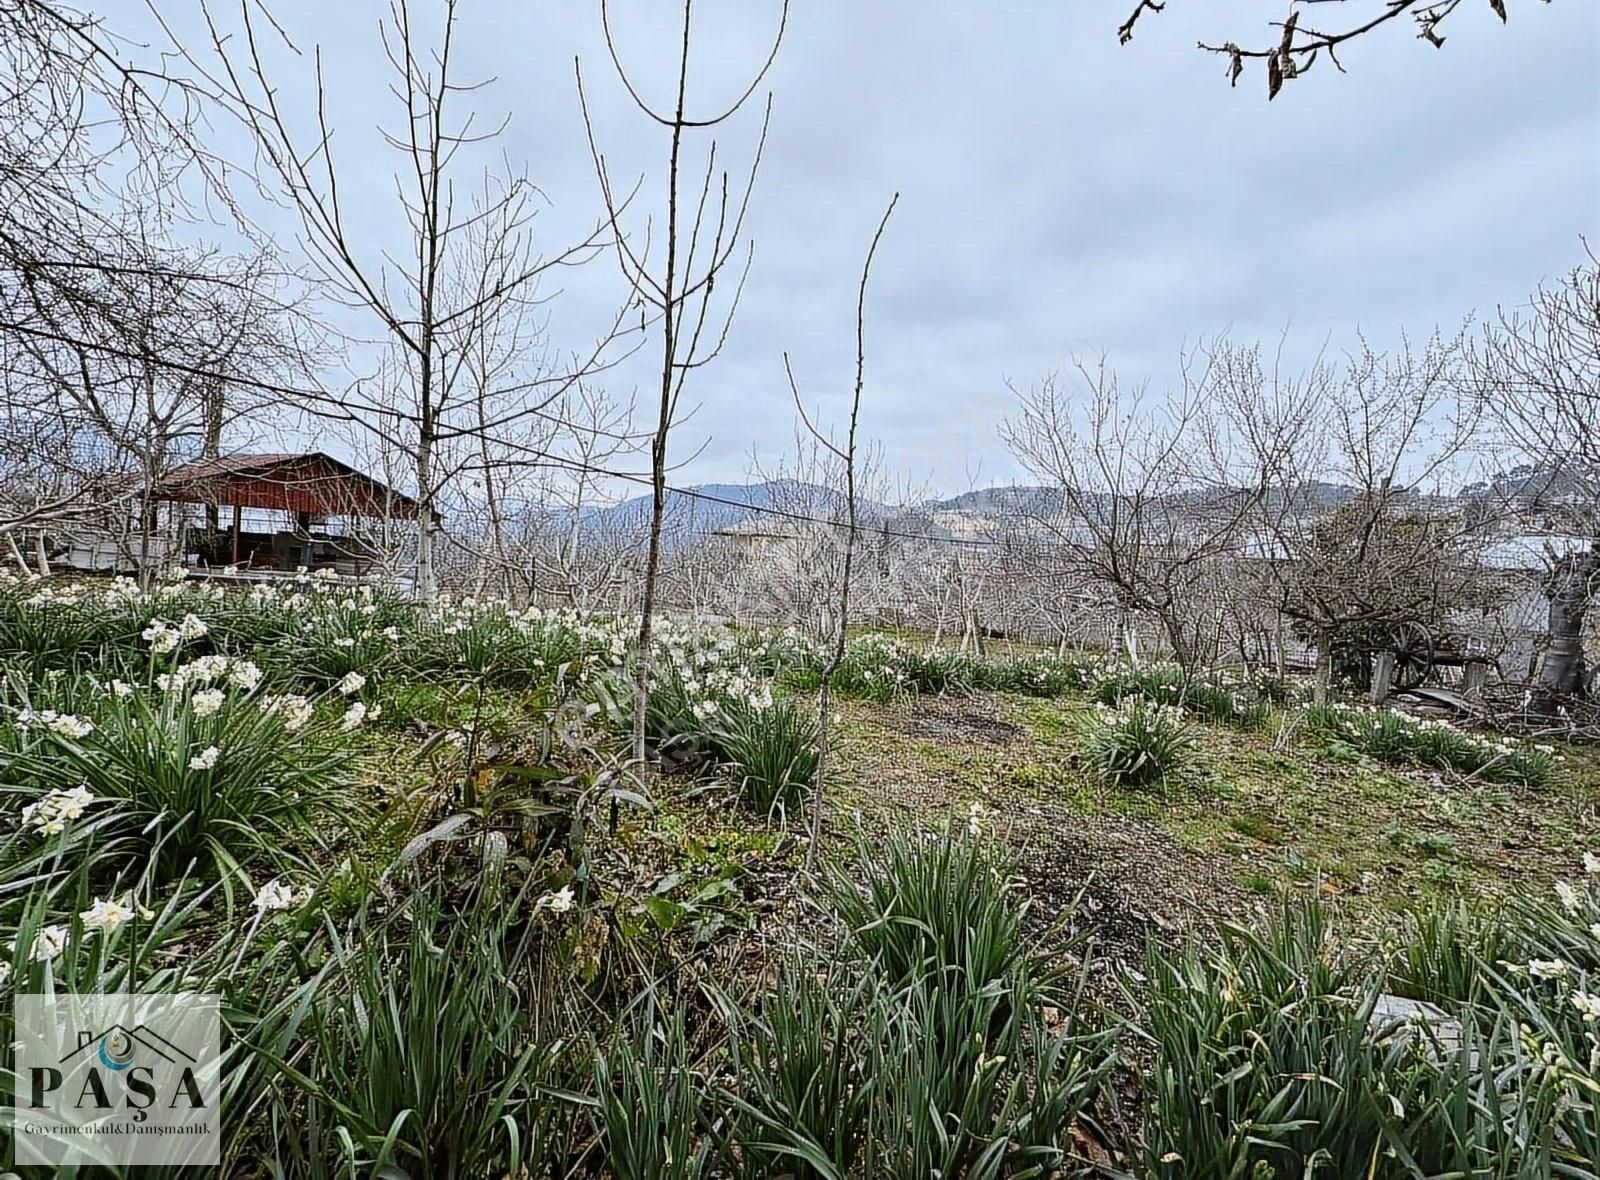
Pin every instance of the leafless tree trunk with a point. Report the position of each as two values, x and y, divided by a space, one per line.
846 454
680 296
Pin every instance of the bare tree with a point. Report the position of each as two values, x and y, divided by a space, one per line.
1535 372
1353 538
845 453
1131 505
99 163
466 259
703 236
149 357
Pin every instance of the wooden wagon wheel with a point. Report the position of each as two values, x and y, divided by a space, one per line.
1413 655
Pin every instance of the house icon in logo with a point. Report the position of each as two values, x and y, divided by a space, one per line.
118 1046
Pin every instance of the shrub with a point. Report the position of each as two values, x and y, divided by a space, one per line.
50 624
880 668
1035 676
773 749
1137 744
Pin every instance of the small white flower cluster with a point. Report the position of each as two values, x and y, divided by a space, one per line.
50 815
357 713
1357 721
880 659
163 637
275 896
123 591
206 759
1136 707
207 702
295 710
241 674
711 669
67 725
52 595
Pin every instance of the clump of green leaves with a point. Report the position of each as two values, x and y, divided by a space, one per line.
1139 743
1280 1052
1399 738
937 1040
1220 697
773 750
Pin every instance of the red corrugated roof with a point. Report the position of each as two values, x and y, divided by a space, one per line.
236 465
311 482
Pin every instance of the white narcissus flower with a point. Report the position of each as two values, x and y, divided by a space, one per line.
244 674
558 902
274 895
192 627
48 943
353 682
975 818
207 702
206 759
353 717
105 916
69 725
120 688
51 814
1591 863
295 710
70 804
161 637
1547 968
1570 899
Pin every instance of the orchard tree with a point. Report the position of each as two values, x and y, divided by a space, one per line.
1535 371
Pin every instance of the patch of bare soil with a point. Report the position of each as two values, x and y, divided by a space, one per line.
1134 878
952 719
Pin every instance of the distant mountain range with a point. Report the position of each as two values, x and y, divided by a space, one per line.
701 509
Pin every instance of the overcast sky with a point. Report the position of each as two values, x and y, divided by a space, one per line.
1060 194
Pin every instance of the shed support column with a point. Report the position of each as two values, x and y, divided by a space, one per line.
238 514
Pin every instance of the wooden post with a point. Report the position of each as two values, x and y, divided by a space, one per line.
1473 677
1382 676
238 514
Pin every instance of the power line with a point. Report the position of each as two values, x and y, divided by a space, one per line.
301 394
